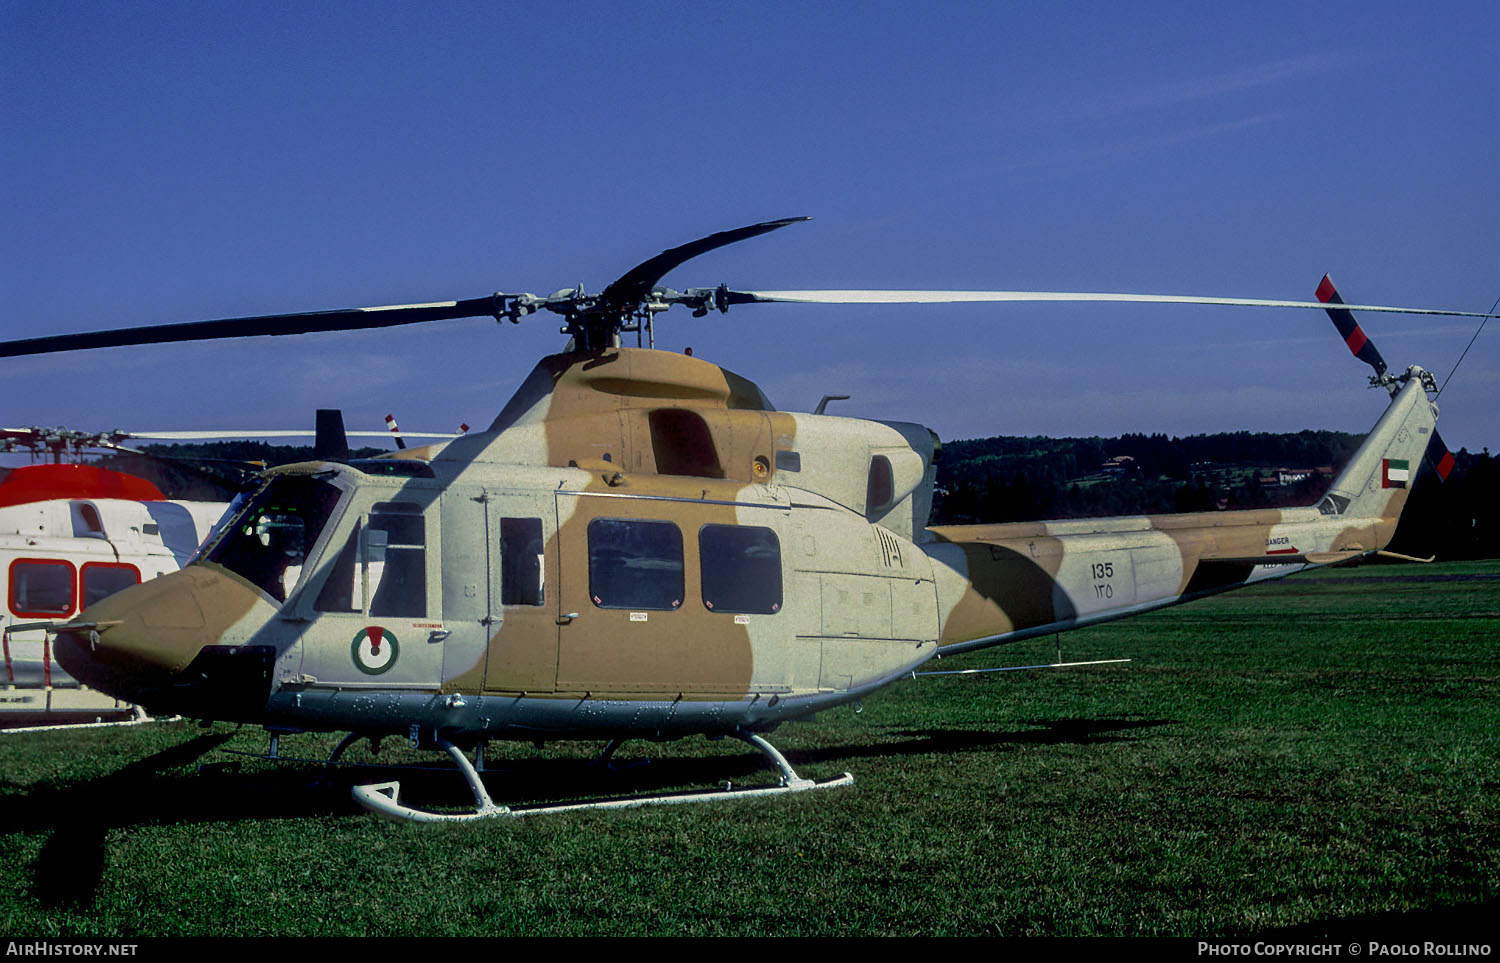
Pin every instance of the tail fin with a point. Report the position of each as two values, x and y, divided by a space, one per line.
331 444
1376 480
1436 452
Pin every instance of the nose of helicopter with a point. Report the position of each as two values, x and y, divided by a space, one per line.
154 643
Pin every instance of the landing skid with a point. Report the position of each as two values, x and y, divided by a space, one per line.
383 798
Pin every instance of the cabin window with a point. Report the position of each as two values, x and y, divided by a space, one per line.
398 582
521 567
103 579
41 588
741 568
268 540
635 564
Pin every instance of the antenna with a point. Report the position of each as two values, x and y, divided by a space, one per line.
1465 354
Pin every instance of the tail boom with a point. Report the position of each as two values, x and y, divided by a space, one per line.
1005 582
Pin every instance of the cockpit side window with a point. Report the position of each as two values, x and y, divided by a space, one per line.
399 590
343 591
381 568
268 540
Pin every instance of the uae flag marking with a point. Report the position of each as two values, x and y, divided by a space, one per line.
1394 473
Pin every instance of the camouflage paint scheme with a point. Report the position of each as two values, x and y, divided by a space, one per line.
868 593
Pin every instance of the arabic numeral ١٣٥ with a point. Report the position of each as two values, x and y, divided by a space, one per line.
1103 570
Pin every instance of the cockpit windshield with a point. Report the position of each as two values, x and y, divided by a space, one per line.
267 540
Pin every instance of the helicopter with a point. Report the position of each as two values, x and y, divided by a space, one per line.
640 546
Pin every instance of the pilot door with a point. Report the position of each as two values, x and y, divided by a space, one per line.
377 618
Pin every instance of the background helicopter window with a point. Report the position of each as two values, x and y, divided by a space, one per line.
41 588
86 521
635 564
268 541
103 579
399 585
521 550
741 568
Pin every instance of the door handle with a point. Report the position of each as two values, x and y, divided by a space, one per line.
438 635
565 619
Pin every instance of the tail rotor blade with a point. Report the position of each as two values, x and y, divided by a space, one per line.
390 424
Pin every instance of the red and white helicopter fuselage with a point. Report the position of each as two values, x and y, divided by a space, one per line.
69 536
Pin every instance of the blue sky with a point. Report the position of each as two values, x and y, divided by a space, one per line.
171 162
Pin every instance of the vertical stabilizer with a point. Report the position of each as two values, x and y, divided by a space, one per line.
1375 482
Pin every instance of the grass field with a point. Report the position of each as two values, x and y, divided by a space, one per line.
1318 756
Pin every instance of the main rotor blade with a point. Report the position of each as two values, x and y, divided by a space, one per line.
307 322
634 285
960 297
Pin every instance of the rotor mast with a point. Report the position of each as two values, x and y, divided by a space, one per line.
629 303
